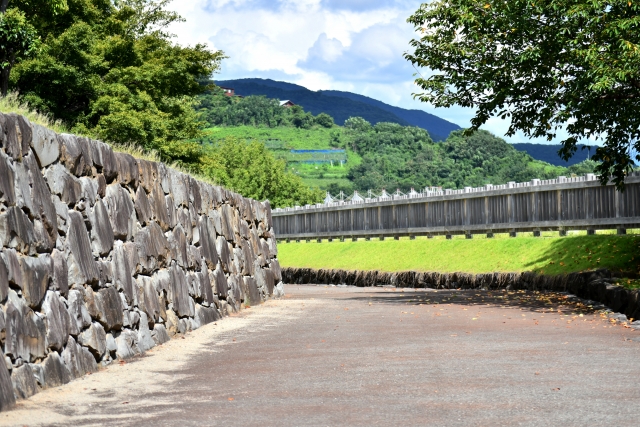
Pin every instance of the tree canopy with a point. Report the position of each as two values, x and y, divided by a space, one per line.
110 69
545 65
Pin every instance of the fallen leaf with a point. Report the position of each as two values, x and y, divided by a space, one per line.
230 399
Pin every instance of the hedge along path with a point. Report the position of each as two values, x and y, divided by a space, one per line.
104 256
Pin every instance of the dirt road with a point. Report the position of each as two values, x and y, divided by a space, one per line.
326 356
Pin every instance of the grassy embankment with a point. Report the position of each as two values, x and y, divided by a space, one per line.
546 255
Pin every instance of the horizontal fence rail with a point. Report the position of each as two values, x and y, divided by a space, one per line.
560 204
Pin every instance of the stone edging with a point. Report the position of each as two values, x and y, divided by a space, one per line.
590 285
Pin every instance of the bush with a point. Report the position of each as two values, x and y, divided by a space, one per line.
324 120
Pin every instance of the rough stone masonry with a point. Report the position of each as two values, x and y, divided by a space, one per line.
104 256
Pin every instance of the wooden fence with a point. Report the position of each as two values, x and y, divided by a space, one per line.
559 204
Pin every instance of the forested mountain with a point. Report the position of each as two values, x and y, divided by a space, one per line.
342 105
438 128
382 155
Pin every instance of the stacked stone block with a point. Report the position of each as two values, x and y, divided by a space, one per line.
105 256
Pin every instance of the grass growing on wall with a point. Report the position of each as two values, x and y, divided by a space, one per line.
548 255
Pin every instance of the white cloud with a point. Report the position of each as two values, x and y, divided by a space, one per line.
350 45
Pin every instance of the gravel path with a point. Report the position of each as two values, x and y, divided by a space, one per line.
326 356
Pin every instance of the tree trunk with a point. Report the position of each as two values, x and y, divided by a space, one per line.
4 80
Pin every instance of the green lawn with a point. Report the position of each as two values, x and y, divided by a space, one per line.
549 255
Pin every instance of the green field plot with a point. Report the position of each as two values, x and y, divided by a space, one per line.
548 255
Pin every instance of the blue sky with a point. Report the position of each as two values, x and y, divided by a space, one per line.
351 45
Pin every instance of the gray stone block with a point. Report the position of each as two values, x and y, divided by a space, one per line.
206 315
78 360
221 285
75 155
148 298
57 321
145 340
110 308
55 372
252 291
265 280
111 343
179 188
7 181
127 170
173 217
148 173
95 339
102 236
207 233
159 334
276 270
153 248
104 160
9 134
82 267
24 381
16 231
22 184
127 343
123 279
89 190
206 291
223 252
60 280
35 273
43 205
7 398
78 313
63 184
25 331
178 293
45 145
236 286
142 206
226 219
178 244
4 281
121 212
158 207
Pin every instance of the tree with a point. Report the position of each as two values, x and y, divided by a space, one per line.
324 120
18 40
110 69
545 65
249 169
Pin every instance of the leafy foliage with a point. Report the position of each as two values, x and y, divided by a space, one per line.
220 110
545 65
110 69
248 168
18 40
402 157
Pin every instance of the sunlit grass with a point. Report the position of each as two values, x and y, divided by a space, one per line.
548 255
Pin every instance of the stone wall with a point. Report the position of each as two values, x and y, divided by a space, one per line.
597 285
104 256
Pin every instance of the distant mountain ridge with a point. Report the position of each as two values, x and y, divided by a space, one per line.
342 105
549 153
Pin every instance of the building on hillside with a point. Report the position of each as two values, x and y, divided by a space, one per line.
228 91
286 103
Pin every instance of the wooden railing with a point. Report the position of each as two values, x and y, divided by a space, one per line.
560 204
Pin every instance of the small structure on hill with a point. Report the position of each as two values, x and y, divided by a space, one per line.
286 103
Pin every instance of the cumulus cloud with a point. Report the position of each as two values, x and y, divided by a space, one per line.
350 45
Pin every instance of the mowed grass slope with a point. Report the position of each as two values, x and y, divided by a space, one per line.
543 255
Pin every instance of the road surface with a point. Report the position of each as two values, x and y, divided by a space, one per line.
329 356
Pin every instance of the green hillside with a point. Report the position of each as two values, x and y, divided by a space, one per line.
384 155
